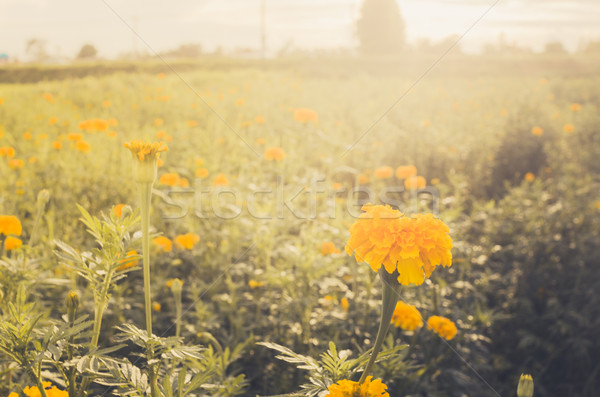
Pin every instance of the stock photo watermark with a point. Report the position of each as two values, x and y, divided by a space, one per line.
282 201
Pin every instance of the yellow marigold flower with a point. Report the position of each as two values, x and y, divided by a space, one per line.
537 131
145 150
160 75
220 180
529 177
10 224
411 246
51 391
16 164
569 128
575 107
13 394
348 388
384 172
442 326
597 204
305 115
328 248
12 243
53 120
130 260
255 284
274 153
406 317
183 182
27 136
201 173
57 145
164 243
406 171
156 306
187 241
259 120
7 152
345 304
99 125
83 146
415 182
169 179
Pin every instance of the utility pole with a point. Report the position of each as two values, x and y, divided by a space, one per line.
263 29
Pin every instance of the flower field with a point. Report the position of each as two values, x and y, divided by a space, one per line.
255 229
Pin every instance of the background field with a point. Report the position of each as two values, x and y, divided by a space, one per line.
522 289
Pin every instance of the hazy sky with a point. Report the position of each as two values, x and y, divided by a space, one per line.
164 24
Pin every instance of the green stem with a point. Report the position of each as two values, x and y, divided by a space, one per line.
100 306
72 392
390 295
38 380
145 196
178 313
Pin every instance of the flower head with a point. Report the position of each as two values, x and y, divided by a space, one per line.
10 224
12 243
130 260
384 172
442 326
328 248
145 157
348 388
406 171
305 115
406 317
274 153
415 182
525 386
538 131
164 243
255 284
411 246
187 241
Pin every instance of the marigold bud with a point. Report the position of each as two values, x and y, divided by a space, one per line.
525 387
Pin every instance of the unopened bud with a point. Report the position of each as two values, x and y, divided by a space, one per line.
72 301
525 387
43 197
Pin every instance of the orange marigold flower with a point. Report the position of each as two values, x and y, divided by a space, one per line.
146 150
363 179
106 103
569 128
99 125
259 120
348 388
48 97
537 131
156 307
345 304
529 177
51 391
274 153
83 146
27 136
74 137
163 242
255 284
15 164
260 141
53 120
406 171
328 248
575 107
201 173
305 115
12 243
183 182
415 182
57 145
442 326
130 260
158 122
187 241
118 210
384 172
220 180
169 179
411 246
7 152
406 317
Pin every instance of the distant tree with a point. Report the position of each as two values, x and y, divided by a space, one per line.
87 51
592 48
185 51
380 28
555 47
36 49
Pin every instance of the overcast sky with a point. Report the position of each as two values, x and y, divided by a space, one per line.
164 24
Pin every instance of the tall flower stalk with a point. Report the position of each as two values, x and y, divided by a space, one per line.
145 159
403 250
